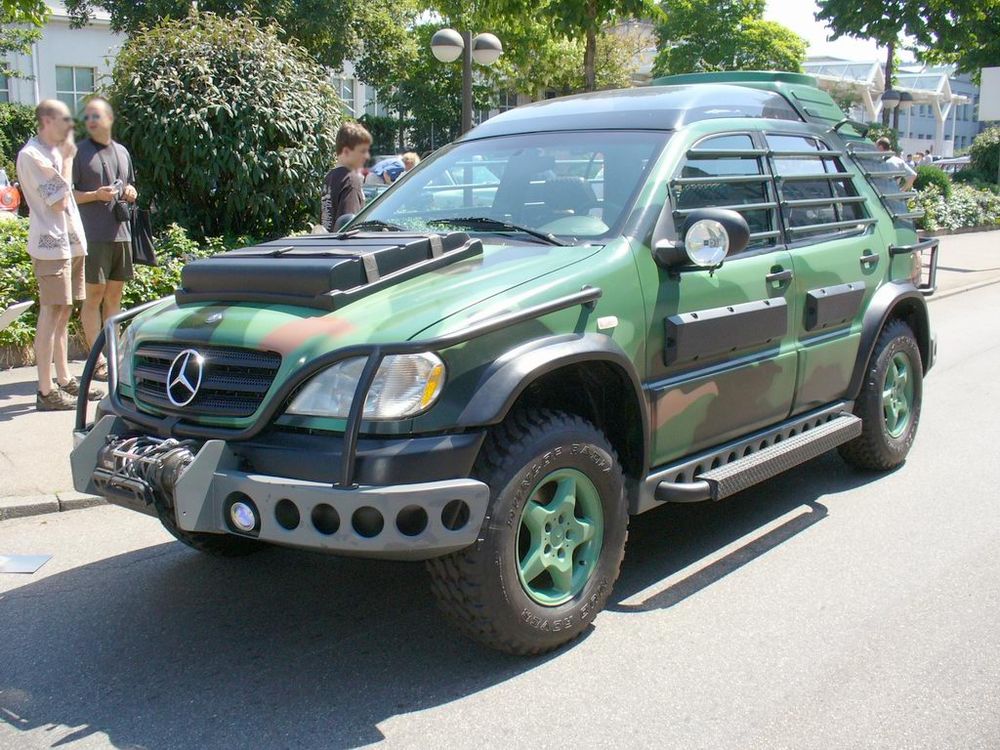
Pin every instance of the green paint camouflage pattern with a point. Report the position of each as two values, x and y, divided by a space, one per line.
690 408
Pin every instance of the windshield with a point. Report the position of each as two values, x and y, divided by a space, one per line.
575 186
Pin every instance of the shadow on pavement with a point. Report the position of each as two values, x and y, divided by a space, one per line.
164 648
16 390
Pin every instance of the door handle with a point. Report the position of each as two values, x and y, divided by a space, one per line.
779 277
869 260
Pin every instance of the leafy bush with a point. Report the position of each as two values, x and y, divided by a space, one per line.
967 207
972 176
928 175
17 281
231 129
985 153
384 132
17 125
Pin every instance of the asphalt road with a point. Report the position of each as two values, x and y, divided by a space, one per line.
824 609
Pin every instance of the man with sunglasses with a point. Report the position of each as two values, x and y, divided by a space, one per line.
104 186
57 246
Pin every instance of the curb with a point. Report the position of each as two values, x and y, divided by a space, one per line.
36 505
962 289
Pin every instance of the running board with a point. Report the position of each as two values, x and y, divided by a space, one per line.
745 472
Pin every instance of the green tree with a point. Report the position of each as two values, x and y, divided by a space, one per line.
963 32
20 27
372 33
882 21
698 35
587 19
231 129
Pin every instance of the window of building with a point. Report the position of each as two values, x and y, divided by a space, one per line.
374 104
816 192
727 172
4 89
345 90
508 100
73 85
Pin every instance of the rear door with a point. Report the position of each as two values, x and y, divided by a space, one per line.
721 350
837 257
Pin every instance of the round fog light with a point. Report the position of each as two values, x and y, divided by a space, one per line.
242 516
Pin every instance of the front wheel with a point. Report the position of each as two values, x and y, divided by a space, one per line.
552 543
890 401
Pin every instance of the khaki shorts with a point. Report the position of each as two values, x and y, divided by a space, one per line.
60 282
108 261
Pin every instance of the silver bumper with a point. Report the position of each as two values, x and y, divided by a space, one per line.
406 522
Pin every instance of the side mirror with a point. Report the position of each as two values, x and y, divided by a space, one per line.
709 235
341 221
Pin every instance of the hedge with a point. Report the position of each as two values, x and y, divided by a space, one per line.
17 281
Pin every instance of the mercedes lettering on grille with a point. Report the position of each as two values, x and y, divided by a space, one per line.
184 377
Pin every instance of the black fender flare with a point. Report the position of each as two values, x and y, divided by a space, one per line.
892 300
503 382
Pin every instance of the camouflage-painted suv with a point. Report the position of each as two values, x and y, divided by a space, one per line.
585 308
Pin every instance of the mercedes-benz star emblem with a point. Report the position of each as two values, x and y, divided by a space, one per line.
184 377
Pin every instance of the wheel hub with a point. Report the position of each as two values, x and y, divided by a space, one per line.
897 394
559 538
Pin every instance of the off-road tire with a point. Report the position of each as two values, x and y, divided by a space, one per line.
876 449
478 588
217 545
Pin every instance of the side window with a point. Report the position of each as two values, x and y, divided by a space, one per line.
728 172
817 194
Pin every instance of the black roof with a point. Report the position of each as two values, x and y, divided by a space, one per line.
648 108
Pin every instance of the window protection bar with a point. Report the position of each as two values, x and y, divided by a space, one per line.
803 202
818 176
730 207
796 154
833 225
723 152
718 179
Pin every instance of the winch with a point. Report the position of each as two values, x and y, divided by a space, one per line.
141 471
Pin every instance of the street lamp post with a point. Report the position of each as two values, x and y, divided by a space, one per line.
448 45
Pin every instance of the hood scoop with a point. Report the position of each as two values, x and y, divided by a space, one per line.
325 271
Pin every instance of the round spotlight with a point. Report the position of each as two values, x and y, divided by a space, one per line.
447 45
243 516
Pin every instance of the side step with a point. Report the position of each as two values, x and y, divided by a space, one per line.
745 472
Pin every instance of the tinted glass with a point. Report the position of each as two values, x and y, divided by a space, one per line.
576 186
710 194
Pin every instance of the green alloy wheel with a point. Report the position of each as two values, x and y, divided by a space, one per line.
889 402
559 540
553 540
897 394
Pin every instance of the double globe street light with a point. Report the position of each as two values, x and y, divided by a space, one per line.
448 45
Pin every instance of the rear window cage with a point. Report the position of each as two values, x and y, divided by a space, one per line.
883 180
774 191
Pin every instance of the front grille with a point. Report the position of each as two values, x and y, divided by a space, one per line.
234 381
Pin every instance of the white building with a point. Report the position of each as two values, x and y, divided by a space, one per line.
66 64
929 90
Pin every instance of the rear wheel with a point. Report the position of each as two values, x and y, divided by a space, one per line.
553 540
890 400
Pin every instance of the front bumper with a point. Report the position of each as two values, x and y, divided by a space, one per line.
404 521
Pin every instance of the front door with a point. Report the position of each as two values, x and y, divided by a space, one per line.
721 357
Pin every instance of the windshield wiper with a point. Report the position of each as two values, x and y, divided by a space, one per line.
378 224
488 224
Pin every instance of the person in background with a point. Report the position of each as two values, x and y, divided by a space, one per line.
102 176
57 246
410 160
897 164
342 193
928 156
387 171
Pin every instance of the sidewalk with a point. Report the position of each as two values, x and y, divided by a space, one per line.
34 448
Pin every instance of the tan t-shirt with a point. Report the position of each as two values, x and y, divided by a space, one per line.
53 234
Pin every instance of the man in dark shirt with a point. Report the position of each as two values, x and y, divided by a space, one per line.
342 193
102 175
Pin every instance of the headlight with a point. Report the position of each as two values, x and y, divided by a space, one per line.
126 343
404 386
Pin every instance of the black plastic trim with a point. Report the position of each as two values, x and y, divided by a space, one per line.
833 305
501 385
888 301
707 333
316 457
